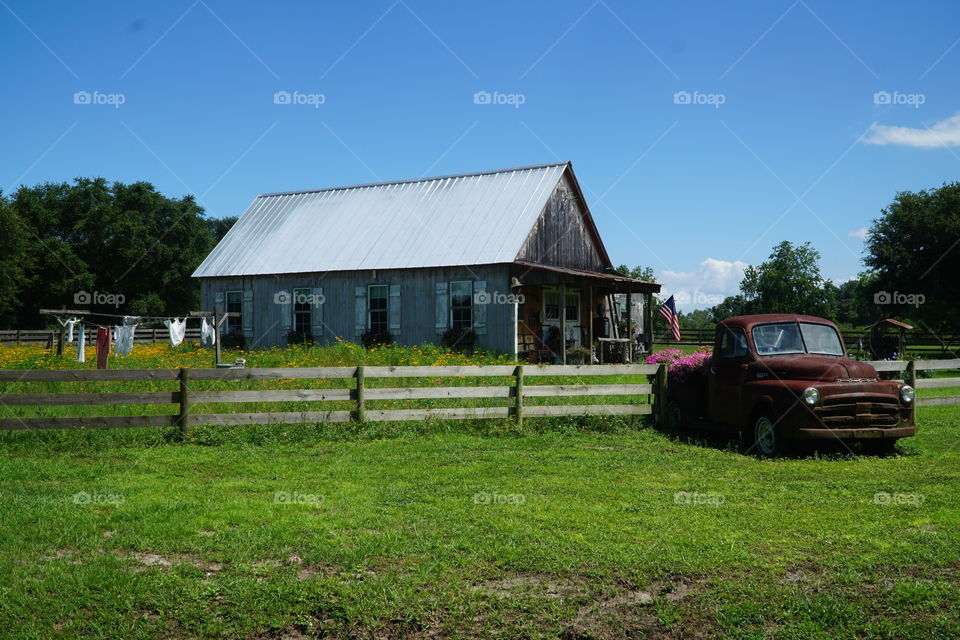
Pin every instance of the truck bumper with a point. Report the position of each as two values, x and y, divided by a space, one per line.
856 433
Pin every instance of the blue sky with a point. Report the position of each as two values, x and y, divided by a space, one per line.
803 119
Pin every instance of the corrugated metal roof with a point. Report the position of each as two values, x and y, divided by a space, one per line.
478 218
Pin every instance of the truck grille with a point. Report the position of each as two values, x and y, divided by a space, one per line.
859 411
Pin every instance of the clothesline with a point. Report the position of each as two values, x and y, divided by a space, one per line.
122 336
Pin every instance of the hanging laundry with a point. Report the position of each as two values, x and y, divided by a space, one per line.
178 330
103 346
70 324
123 339
208 335
82 344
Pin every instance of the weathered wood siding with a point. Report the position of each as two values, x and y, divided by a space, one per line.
560 236
417 301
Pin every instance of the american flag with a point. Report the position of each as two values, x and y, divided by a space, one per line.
669 311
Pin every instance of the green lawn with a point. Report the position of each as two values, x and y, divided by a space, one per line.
608 530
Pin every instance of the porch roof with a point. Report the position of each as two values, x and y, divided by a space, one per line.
612 280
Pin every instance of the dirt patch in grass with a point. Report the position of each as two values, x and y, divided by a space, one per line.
534 584
630 612
149 559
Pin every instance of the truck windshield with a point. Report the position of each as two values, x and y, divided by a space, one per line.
791 337
821 338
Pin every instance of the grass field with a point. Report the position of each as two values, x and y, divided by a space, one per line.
561 529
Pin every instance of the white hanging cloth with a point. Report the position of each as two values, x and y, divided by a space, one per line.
208 336
178 330
123 339
81 345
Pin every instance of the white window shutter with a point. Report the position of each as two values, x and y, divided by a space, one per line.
286 314
248 313
479 310
394 309
316 314
361 305
443 308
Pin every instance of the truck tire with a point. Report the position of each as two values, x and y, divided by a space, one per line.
762 437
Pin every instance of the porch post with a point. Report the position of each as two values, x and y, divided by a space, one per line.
516 330
648 321
628 352
563 323
590 322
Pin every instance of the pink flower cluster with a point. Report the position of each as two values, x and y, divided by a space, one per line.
680 364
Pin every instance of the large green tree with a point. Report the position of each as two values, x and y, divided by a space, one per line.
789 282
118 239
914 249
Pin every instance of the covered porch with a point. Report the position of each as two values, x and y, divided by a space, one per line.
564 315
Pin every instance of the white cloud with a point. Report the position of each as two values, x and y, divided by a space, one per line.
709 284
945 133
860 234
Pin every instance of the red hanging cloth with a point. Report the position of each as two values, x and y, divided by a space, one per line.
103 346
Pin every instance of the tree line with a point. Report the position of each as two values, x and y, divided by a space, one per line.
911 273
94 245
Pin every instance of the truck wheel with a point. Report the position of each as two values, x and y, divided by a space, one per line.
674 416
765 439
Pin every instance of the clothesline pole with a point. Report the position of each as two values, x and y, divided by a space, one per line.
218 318
216 338
61 315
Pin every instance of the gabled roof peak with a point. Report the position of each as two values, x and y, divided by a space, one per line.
449 176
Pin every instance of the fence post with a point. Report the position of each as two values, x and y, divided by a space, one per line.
183 421
910 377
18 337
361 410
661 401
518 397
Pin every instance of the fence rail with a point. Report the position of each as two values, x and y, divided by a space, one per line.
909 369
359 393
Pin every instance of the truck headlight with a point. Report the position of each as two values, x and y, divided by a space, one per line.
907 393
811 396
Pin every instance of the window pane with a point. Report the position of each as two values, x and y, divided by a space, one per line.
772 339
821 339
551 305
378 308
234 301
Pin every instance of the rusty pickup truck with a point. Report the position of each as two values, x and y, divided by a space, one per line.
781 378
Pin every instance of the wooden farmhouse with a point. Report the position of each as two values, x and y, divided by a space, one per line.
512 256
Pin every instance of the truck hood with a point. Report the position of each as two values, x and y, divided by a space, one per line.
811 367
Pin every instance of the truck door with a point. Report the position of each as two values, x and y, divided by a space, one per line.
726 376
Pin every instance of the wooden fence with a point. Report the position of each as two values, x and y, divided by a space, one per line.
359 392
906 370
